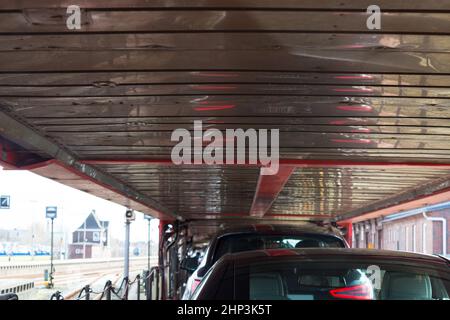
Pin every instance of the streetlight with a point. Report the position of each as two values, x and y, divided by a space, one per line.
149 219
129 216
51 213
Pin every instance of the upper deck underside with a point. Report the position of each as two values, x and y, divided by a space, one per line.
363 114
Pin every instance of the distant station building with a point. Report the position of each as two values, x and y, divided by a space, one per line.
90 239
423 230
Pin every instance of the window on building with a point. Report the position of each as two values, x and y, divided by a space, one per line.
379 238
406 238
367 237
397 238
424 238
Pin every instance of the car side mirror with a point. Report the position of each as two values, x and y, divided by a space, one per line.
189 264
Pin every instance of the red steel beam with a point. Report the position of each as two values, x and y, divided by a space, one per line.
8 157
298 163
86 177
6 165
13 157
422 201
349 233
268 188
245 215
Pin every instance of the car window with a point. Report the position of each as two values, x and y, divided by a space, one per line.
246 242
362 280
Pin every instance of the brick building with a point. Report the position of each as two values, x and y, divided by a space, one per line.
420 230
86 239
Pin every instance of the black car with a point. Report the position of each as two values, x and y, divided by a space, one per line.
254 237
326 274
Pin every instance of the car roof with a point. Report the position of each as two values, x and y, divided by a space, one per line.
326 253
307 227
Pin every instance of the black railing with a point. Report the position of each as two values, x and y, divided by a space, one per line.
150 276
87 293
57 296
146 282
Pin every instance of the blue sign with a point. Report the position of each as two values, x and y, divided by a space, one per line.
50 212
4 202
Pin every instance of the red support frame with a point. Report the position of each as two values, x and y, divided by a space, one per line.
259 207
297 163
162 256
268 188
13 157
71 170
8 157
276 215
422 201
349 234
161 259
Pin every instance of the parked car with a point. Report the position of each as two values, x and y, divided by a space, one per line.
326 274
256 237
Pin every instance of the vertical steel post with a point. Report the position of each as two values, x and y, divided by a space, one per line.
148 249
127 287
349 235
126 272
108 290
138 285
51 257
162 263
88 291
150 286
157 277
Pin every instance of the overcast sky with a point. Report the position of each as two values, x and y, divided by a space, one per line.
31 194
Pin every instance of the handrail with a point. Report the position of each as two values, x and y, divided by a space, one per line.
57 296
148 282
122 291
116 292
87 290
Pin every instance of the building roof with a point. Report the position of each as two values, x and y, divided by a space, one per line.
92 222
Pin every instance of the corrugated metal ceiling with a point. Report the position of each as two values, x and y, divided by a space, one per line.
137 70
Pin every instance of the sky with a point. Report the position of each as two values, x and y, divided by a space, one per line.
30 194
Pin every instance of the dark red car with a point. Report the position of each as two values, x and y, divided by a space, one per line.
326 274
254 237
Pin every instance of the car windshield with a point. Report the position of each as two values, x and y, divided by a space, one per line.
246 242
364 280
